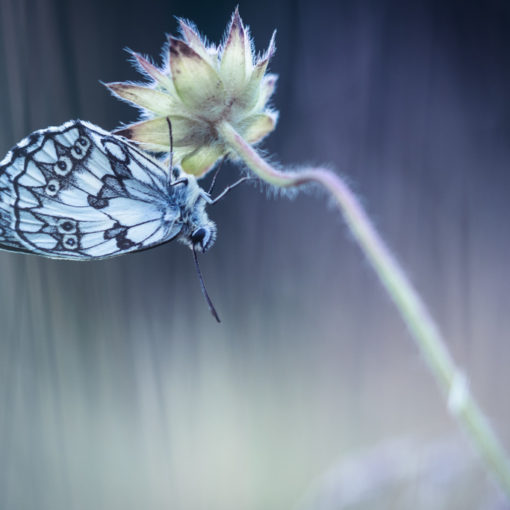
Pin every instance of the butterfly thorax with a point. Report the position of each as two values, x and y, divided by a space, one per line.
197 229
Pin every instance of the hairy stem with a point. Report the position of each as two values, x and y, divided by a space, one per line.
409 304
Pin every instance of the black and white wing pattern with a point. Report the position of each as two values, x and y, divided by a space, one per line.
78 192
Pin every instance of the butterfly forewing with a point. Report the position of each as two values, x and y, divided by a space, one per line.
78 192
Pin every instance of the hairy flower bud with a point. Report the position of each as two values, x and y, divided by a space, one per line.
199 87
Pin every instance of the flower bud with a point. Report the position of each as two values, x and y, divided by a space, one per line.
199 87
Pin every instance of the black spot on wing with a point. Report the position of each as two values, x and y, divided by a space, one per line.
33 138
124 243
116 230
119 233
18 152
112 187
97 202
61 149
120 169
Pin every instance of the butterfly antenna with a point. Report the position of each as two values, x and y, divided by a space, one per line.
168 121
202 286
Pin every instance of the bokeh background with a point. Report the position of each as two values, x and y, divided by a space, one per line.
117 388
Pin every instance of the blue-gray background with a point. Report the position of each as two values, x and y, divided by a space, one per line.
117 388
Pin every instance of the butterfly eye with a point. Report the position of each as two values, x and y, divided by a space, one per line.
202 237
66 226
52 188
176 173
198 236
63 166
70 242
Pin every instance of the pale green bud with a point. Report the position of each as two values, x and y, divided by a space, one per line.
198 88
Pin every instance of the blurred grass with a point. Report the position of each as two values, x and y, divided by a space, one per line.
117 389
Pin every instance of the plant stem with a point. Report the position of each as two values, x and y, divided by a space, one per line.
412 309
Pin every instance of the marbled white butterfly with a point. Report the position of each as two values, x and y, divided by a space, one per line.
78 192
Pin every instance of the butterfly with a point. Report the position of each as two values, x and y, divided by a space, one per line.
78 192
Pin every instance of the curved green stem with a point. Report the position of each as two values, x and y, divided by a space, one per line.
408 302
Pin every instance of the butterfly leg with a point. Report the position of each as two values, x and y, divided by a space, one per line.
231 187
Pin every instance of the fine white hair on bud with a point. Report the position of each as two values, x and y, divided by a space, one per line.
198 87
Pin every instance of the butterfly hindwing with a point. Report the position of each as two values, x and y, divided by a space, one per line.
78 192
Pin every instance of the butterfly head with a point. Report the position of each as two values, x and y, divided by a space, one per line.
202 231
199 231
204 236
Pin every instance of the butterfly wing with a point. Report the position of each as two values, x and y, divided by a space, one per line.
79 192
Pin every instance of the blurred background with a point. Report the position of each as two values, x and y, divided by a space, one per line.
117 388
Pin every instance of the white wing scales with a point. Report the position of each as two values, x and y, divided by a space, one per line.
78 192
